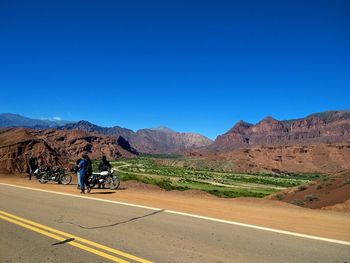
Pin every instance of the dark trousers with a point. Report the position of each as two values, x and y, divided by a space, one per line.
31 171
84 182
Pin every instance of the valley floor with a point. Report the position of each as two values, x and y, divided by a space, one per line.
260 212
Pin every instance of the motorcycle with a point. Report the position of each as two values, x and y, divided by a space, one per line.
55 174
107 179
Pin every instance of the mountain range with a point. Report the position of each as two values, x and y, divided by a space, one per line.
330 126
319 142
16 120
153 140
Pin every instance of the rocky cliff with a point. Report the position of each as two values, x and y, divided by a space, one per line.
327 127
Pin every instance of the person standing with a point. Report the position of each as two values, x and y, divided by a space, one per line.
33 165
88 171
83 172
77 173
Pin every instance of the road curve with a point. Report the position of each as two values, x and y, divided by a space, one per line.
149 235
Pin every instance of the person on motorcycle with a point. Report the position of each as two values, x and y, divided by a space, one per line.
104 166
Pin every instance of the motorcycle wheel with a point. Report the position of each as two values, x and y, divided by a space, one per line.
42 181
92 182
115 182
65 179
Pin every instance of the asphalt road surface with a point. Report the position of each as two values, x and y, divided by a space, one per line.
46 227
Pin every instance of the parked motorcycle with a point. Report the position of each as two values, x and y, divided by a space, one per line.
107 179
55 174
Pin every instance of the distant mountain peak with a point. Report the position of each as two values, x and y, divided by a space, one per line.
84 122
241 126
163 129
269 119
243 123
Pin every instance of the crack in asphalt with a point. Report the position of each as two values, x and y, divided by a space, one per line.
119 223
64 241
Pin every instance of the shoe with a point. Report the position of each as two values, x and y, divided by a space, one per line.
88 190
82 192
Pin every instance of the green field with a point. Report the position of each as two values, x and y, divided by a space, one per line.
222 184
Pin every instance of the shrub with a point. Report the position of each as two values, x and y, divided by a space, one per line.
310 198
346 182
302 188
297 202
165 184
280 196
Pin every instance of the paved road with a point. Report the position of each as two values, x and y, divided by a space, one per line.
143 234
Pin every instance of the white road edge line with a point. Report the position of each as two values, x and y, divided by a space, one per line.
192 215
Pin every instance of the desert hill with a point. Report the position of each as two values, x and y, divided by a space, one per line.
308 158
56 147
329 192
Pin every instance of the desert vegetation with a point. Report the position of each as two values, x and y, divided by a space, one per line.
146 169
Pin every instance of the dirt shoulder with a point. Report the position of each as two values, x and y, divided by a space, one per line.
262 212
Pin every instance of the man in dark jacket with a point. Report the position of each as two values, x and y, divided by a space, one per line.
85 170
33 165
104 165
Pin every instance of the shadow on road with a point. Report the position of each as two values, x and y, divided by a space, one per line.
102 193
63 242
123 222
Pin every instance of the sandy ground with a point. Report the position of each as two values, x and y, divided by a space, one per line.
262 212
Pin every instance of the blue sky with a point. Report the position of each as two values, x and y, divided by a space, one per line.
194 66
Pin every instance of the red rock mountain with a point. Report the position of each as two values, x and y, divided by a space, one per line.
56 147
332 126
17 144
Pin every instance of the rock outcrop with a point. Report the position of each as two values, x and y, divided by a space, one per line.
74 143
17 144
56 147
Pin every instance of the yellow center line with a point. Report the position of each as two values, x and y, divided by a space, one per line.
37 226
75 244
